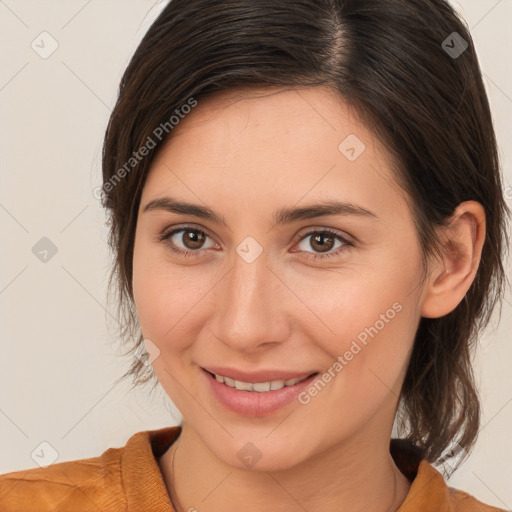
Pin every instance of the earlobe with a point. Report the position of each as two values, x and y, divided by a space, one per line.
461 251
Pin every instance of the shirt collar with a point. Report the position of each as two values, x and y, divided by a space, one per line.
143 481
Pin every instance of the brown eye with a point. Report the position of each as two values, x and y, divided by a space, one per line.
322 242
193 239
187 240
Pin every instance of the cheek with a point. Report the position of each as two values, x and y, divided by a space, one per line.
368 315
153 294
368 354
167 297
370 330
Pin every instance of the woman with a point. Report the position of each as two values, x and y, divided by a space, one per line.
308 221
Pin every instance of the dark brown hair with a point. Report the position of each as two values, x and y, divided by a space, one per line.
409 69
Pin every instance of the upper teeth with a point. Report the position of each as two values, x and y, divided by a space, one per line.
260 387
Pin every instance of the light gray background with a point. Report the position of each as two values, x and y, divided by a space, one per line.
58 363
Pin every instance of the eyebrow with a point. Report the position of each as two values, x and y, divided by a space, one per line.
281 216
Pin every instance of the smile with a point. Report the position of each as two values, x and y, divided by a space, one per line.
259 398
259 387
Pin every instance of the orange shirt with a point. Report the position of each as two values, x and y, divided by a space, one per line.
129 479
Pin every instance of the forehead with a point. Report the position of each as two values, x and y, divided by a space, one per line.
266 143
278 106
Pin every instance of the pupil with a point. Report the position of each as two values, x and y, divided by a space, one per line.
194 238
323 246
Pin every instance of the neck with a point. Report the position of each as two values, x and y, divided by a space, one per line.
368 479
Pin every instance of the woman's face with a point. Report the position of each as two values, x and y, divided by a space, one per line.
251 292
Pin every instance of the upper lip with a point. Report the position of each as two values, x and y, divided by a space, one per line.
256 376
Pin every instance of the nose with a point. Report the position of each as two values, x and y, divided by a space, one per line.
251 306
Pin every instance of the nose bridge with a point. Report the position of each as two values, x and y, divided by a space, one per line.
247 311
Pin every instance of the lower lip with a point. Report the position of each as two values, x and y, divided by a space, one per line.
252 403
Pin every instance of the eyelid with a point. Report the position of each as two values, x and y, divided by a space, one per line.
167 233
168 230
346 239
346 244
309 230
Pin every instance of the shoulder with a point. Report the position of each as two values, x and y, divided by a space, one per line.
125 478
81 484
464 502
429 491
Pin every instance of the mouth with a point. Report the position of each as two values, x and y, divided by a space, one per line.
258 387
256 399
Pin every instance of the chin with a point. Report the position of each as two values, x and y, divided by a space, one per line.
260 454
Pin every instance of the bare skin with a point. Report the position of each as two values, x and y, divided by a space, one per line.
244 157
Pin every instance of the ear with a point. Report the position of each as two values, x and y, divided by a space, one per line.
452 275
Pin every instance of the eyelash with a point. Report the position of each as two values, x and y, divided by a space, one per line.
164 237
